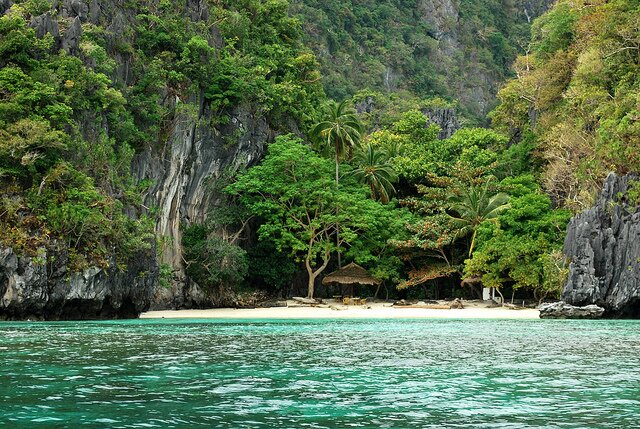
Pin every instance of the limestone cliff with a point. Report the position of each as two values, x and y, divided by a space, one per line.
183 175
32 288
196 146
454 49
603 245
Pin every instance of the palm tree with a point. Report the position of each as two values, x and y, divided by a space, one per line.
476 205
374 170
340 130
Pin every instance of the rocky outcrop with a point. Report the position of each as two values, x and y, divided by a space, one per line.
44 24
71 38
446 20
603 245
562 310
185 177
42 288
185 167
443 117
5 5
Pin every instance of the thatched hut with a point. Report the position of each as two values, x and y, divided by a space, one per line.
350 275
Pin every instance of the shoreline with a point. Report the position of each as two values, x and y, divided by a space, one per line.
371 311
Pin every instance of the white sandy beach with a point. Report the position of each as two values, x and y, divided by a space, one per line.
370 311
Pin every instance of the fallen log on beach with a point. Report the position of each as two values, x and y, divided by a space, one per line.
309 301
427 306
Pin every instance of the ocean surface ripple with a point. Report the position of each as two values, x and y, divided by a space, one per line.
320 374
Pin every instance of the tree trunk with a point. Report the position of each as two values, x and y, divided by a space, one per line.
337 225
501 297
375 295
311 285
473 241
313 274
338 245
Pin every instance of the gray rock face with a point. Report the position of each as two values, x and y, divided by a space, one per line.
43 289
445 118
603 245
71 37
185 176
562 310
44 24
75 9
185 171
5 5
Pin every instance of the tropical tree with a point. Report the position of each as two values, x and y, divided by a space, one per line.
474 205
293 195
373 169
523 248
341 130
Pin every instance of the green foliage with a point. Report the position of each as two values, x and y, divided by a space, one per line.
377 225
90 223
379 110
474 205
374 170
293 194
394 46
70 126
289 185
554 30
522 247
66 177
415 151
270 267
60 112
263 62
575 101
339 132
211 260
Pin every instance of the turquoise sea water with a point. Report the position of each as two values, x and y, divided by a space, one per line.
321 374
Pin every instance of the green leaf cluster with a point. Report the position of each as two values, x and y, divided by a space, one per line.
522 247
213 262
62 174
300 209
575 98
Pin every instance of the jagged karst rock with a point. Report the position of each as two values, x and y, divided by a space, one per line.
71 37
367 105
44 24
75 8
197 10
603 245
442 17
184 174
562 310
5 5
31 289
445 118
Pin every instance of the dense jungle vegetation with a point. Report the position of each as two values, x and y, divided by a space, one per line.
448 49
489 205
